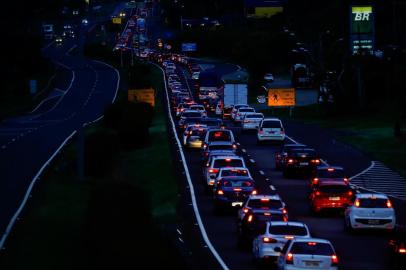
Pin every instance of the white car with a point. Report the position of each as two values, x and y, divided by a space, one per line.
195 75
214 165
370 211
232 171
270 129
268 77
241 113
307 253
199 108
235 109
251 121
219 135
276 234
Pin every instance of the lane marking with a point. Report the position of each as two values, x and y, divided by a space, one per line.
189 179
261 172
272 187
28 192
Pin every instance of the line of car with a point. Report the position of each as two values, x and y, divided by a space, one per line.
263 224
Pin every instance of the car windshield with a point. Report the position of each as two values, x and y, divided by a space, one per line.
303 153
373 203
287 230
198 132
229 162
313 248
265 204
223 135
265 217
330 173
237 183
191 114
271 124
225 173
334 188
220 147
197 108
246 110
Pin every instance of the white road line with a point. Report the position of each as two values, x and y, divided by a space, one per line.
244 151
272 187
189 179
28 192
261 172
252 161
292 140
364 171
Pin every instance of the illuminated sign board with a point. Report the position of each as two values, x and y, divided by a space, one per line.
116 20
142 95
362 29
189 47
281 97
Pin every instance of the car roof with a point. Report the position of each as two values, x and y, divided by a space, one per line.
332 183
371 195
222 153
265 196
220 142
302 149
286 223
237 178
294 145
228 156
317 240
272 119
234 168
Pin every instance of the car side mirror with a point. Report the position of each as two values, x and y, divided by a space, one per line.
277 249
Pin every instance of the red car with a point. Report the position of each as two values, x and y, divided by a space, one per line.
328 173
331 194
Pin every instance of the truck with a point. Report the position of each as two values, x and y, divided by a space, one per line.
300 76
235 88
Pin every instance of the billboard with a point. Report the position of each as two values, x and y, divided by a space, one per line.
189 47
281 97
362 29
142 95
116 20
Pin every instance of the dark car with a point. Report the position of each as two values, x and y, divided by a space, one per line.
188 115
232 191
328 173
302 160
281 155
217 146
254 223
227 112
331 195
397 247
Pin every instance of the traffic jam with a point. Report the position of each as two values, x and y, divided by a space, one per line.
207 129
210 121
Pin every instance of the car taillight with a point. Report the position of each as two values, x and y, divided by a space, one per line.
388 204
350 193
346 180
290 161
237 189
285 219
289 237
220 192
318 193
315 181
204 146
250 218
402 250
234 146
284 211
357 203
254 192
334 260
269 240
213 170
245 210
317 161
289 258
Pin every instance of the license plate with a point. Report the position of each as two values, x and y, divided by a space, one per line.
311 263
304 163
236 204
334 198
373 221
270 132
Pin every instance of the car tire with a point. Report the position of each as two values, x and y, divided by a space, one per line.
347 225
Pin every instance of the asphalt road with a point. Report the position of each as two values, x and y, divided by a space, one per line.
361 251
28 142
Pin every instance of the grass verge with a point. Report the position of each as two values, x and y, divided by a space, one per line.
371 133
54 230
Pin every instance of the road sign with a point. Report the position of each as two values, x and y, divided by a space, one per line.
281 97
142 95
116 20
362 28
189 47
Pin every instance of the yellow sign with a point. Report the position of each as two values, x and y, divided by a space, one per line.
367 9
281 97
116 20
267 12
142 95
